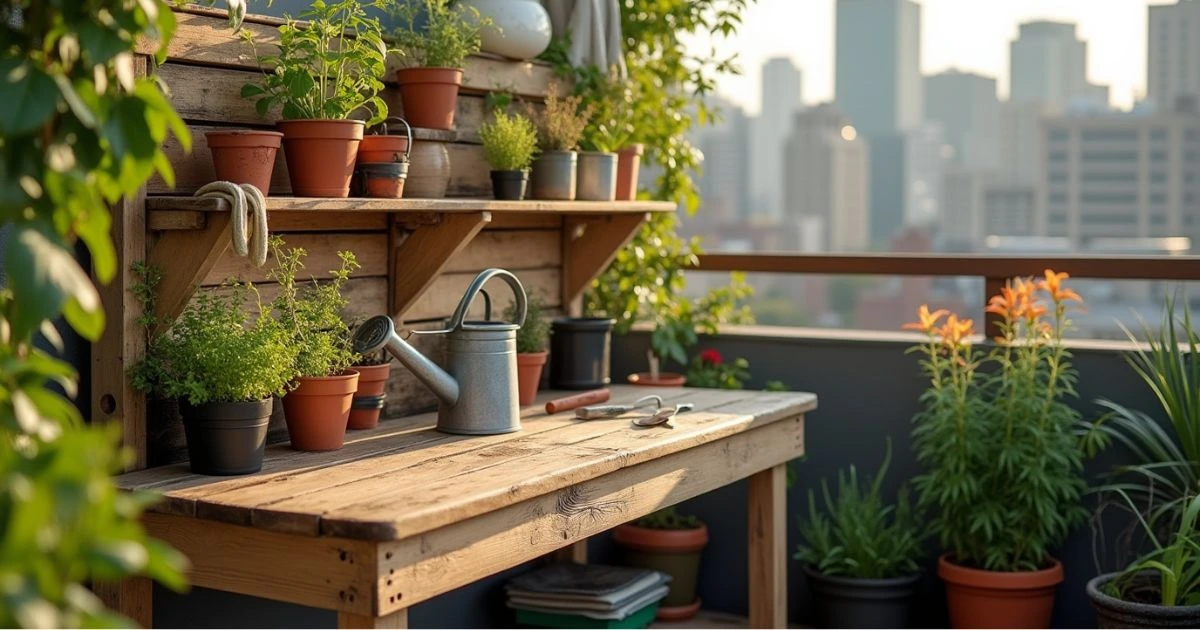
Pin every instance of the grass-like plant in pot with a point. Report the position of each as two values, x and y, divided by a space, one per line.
436 37
533 338
669 542
317 410
860 552
560 126
1003 465
319 78
509 143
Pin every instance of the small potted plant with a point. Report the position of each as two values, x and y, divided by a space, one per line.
669 542
374 370
709 369
670 340
244 156
532 339
861 553
509 143
610 132
317 410
319 78
436 38
560 126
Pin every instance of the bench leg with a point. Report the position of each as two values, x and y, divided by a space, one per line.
132 598
768 552
398 619
575 552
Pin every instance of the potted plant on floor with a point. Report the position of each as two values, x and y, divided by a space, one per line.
669 542
1003 464
861 553
317 409
318 79
709 369
509 143
436 38
532 339
560 126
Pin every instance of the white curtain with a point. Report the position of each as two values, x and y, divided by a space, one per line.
595 28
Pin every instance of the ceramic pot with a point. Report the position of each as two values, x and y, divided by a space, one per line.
841 602
318 410
1112 612
384 180
999 599
429 170
320 155
244 156
553 176
383 147
369 397
429 95
675 552
519 29
529 375
629 162
226 438
509 185
597 176
580 352
665 379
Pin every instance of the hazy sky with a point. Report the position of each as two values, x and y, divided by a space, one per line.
965 34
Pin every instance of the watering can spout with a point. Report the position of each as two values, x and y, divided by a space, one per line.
379 333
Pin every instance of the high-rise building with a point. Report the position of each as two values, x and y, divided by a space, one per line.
878 75
827 178
966 106
1173 53
925 155
781 92
1020 141
726 147
1048 64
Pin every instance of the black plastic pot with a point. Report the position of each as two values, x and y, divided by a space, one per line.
226 438
1118 613
840 602
510 185
580 350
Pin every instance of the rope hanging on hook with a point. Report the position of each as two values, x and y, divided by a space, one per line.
248 215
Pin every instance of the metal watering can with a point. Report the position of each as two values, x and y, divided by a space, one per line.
478 389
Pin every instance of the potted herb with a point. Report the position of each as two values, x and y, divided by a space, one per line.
244 156
436 38
1003 466
374 370
317 410
319 78
611 130
709 369
861 553
669 542
532 339
509 143
560 126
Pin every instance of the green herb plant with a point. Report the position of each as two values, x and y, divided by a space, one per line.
856 533
561 122
449 34
509 141
534 334
709 369
311 312
611 126
668 518
328 68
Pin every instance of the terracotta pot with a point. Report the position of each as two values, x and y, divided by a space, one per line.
629 161
999 599
383 180
429 95
675 552
529 375
318 410
372 381
428 170
385 147
665 379
320 155
244 156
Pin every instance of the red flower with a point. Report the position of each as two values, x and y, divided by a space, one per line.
710 356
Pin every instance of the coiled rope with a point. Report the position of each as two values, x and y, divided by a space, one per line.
249 217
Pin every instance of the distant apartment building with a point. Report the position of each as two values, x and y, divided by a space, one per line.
1173 53
1048 64
781 97
827 179
1019 148
925 156
966 106
724 194
979 205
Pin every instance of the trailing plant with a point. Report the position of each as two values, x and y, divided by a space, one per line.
1175 561
435 33
310 312
679 320
534 334
857 534
319 71
709 369
668 518
509 142
1003 464
561 123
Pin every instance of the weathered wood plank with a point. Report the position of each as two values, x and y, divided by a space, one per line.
369 249
589 246
185 258
418 206
423 254
445 292
767 513
509 249
133 598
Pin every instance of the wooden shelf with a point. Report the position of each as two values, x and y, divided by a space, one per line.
353 204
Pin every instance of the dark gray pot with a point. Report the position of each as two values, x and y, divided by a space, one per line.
509 185
1118 613
580 352
553 176
841 602
226 438
597 176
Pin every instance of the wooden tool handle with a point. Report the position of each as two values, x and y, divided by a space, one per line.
578 400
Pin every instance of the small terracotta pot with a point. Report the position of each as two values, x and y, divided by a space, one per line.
385 147
318 410
529 375
999 599
665 379
372 380
382 180
320 155
629 161
429 95
675 552
244 156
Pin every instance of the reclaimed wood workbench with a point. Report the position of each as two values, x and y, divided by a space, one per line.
403 513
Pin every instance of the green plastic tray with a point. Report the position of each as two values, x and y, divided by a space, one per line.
532 619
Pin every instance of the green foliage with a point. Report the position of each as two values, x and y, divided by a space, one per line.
857 534
509 142
668 518
1175 562
708 369
561 122
534 335
311 312
449 36
776 386
319 73
613 99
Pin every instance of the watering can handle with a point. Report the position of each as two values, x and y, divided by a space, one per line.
407 133
460 313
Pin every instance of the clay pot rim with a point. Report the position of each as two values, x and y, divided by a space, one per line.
1000 580
583 323
598 153
678 613
1100 598
668 540
458 72
665 379
375 372
351 121
243 132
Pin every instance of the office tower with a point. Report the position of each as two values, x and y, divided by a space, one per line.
925 155
726 147
1048 64
780 100
827 178
1173 53
966 106
1020 141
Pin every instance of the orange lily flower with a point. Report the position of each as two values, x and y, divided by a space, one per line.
928 321
1004 302
1053 284
955 330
